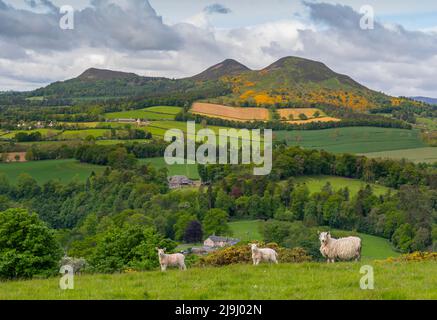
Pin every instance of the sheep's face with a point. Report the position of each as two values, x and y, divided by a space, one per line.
324 237
160 252
253 246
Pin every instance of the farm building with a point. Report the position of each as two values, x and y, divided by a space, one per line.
176 182
219 242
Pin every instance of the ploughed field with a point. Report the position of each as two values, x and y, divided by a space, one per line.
230 113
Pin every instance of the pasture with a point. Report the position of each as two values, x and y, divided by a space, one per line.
426 155
316 183
189 170
43 171
400 280
374 248
230 113
353 139
152 113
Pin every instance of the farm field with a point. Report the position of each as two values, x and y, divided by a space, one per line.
393 281
353 139
427 155
374 248
46 133
246 230
43 171
189 170
230 113
316 183
82 134
152 113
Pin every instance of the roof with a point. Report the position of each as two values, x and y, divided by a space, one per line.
223 239
179 179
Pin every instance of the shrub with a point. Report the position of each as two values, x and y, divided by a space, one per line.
27 246
243 254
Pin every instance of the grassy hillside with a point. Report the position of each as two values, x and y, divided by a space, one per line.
373 247
414 280
353 139
428 155
188 170
43 171
316 183
153 113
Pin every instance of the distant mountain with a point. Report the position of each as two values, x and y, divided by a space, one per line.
290 81
228 67
94 74
425 99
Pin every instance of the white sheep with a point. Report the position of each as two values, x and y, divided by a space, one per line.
172 260
264 254
342 249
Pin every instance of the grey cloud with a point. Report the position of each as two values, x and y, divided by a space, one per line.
216 8
104 24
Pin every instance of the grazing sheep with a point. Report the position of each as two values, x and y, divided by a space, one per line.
172 260
265 254
342 249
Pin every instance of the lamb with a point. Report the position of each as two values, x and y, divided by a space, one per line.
76 263
265 254
176 259
342 249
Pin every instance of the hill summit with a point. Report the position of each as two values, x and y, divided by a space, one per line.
93 74
227 67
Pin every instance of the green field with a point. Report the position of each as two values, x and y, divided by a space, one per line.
82 134
46 133
374 248
316 183
152 113
189 170
426 155
246 230
413 280
353 139
43 171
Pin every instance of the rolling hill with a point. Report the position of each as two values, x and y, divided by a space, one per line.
290 81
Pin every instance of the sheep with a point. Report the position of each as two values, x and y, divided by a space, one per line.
341 249
176 259
265 254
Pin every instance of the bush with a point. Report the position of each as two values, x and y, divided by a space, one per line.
27 246
243 254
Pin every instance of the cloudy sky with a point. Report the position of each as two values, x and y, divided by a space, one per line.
178 38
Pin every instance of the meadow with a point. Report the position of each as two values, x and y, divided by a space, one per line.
353 139
400 280
426 155
316 183
43 171
189 170
374 248
152 113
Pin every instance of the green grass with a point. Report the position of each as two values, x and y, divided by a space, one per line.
246 230
189 170
426 155
316 183
82 134
43 171
44 132
353 139
414 280
153 113
374 248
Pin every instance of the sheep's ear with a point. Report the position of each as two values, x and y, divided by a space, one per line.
164 249
318 232
156 248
